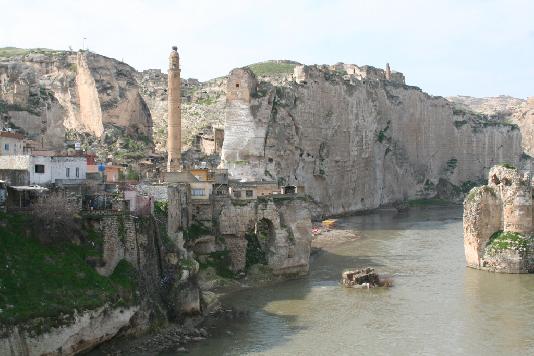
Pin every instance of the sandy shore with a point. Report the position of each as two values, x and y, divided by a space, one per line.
332 237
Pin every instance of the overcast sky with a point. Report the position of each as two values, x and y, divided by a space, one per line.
448 47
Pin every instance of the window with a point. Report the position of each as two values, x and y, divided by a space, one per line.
68 172
77 172
237 85
6 146
197 192
249 193
39 168
237 194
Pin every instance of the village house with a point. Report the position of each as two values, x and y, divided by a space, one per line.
43 168
11 143
252 190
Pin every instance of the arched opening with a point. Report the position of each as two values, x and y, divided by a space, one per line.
264 230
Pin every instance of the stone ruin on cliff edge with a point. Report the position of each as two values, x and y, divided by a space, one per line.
498 223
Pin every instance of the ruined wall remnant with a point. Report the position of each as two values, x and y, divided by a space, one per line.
241 85
498 223
283 229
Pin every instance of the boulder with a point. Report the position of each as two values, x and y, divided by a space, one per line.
360 278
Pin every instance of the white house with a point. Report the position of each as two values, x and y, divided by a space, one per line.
47 169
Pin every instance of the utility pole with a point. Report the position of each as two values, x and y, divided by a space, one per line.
83 45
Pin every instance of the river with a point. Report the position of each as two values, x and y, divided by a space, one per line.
437 306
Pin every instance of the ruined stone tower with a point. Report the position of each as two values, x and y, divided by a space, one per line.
174 120
388 72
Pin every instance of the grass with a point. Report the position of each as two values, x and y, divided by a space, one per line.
501 241
271 68
6 52
38 280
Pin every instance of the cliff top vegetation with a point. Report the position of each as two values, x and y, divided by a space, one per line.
272 68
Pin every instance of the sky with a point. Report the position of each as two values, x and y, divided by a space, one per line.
448 47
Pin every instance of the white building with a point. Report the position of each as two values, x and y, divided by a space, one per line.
43 170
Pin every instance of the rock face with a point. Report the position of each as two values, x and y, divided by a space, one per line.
498 223
504 109
87 330
47 94
356 143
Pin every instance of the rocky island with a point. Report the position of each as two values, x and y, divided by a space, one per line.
498 223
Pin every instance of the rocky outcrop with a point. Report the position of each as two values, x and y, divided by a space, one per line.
360 278
357 144
498 223
47 94
86 330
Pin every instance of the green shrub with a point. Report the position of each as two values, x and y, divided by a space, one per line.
221 262
501 241
255 254
161 207
195 231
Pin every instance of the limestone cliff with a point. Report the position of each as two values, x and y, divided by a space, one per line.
48 94
505 109
357 143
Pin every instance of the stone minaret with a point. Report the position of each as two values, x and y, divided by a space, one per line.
174 117
388 72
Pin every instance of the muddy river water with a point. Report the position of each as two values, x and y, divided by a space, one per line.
437 306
